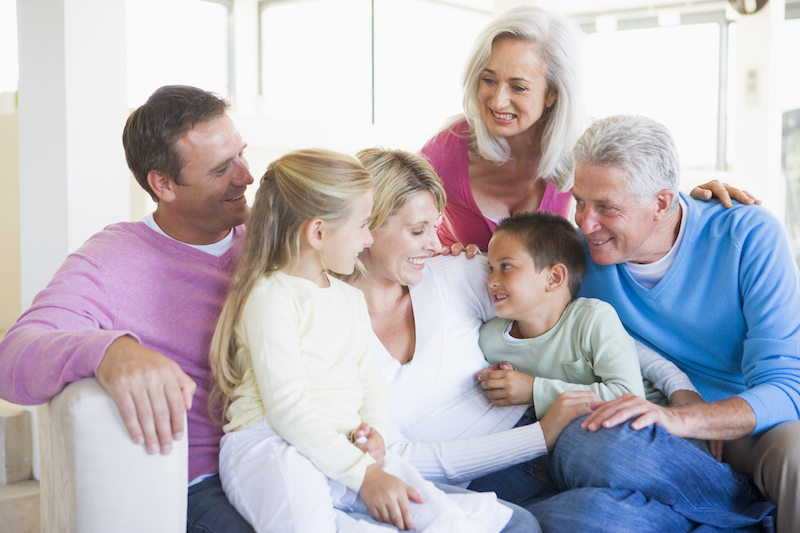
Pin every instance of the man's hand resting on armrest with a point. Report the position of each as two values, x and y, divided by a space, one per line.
151 391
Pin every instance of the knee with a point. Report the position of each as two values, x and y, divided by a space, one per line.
777 453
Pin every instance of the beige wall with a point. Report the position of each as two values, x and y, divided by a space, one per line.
10 293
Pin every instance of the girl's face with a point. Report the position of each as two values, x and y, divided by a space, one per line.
349 238
515 286
404 241
513 88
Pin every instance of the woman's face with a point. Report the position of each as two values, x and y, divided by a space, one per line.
513 89
404 241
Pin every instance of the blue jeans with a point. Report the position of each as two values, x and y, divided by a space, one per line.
210 512
521 521
621 479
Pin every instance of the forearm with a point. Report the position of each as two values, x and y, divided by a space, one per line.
37 362
464 460
724 420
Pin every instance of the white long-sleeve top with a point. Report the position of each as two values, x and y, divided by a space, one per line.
442 422
313 371
661 376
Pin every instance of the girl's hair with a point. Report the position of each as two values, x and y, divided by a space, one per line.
397 177
296 188
558 41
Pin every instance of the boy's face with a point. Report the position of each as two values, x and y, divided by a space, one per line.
516 288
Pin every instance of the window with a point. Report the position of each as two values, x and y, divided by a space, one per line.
367 62
177 42
670 74
9 66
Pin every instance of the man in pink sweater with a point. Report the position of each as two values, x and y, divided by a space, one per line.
137 304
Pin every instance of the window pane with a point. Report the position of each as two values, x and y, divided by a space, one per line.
9 67
176 42
420 51
790 51
316 61
668 74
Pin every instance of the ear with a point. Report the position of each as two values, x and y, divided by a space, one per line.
557 277
161 185
552 96
313 232
664 200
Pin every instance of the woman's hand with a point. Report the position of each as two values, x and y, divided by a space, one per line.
724 192
506 386
369 441
471 250
387 497
568 407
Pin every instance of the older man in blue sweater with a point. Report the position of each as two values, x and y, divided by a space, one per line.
714 290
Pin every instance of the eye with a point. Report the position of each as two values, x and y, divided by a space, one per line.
488 81
518 88
579 205
505 266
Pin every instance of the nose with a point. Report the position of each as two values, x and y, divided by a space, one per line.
499 97
492 282
434 244
243 176
368 240
586 220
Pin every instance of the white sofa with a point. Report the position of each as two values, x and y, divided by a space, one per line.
94 479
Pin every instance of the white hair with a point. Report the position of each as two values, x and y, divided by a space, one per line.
558 41
643 148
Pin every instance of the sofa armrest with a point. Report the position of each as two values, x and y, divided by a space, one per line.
95 479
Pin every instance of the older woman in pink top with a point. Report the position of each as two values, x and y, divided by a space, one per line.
523 113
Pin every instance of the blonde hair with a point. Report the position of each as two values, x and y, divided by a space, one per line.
296 188
397 176
558 42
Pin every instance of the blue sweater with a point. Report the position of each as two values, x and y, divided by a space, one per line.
727 312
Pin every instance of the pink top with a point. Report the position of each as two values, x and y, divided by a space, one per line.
125 280
463 221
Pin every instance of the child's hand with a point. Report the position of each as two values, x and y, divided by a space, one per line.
684 397
387 497
506 386
369 441
497 366
568 406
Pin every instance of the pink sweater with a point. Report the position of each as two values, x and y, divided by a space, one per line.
125 280
463 221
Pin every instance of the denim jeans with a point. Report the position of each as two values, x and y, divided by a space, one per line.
621 479
521 521
210 512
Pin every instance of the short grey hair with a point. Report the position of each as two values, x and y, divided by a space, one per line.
558 41
643 148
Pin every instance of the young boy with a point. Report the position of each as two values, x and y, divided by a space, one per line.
556 341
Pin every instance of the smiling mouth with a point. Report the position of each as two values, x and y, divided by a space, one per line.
598 243
504 116
416 261
499 297
236 199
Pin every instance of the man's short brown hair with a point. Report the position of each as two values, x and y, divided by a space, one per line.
152 131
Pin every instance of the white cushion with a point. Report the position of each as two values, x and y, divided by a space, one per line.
95 479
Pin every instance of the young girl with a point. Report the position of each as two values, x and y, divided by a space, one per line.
297 376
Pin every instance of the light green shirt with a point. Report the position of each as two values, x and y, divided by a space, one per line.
588 349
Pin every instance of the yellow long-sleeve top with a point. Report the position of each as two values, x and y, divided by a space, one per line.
312 371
